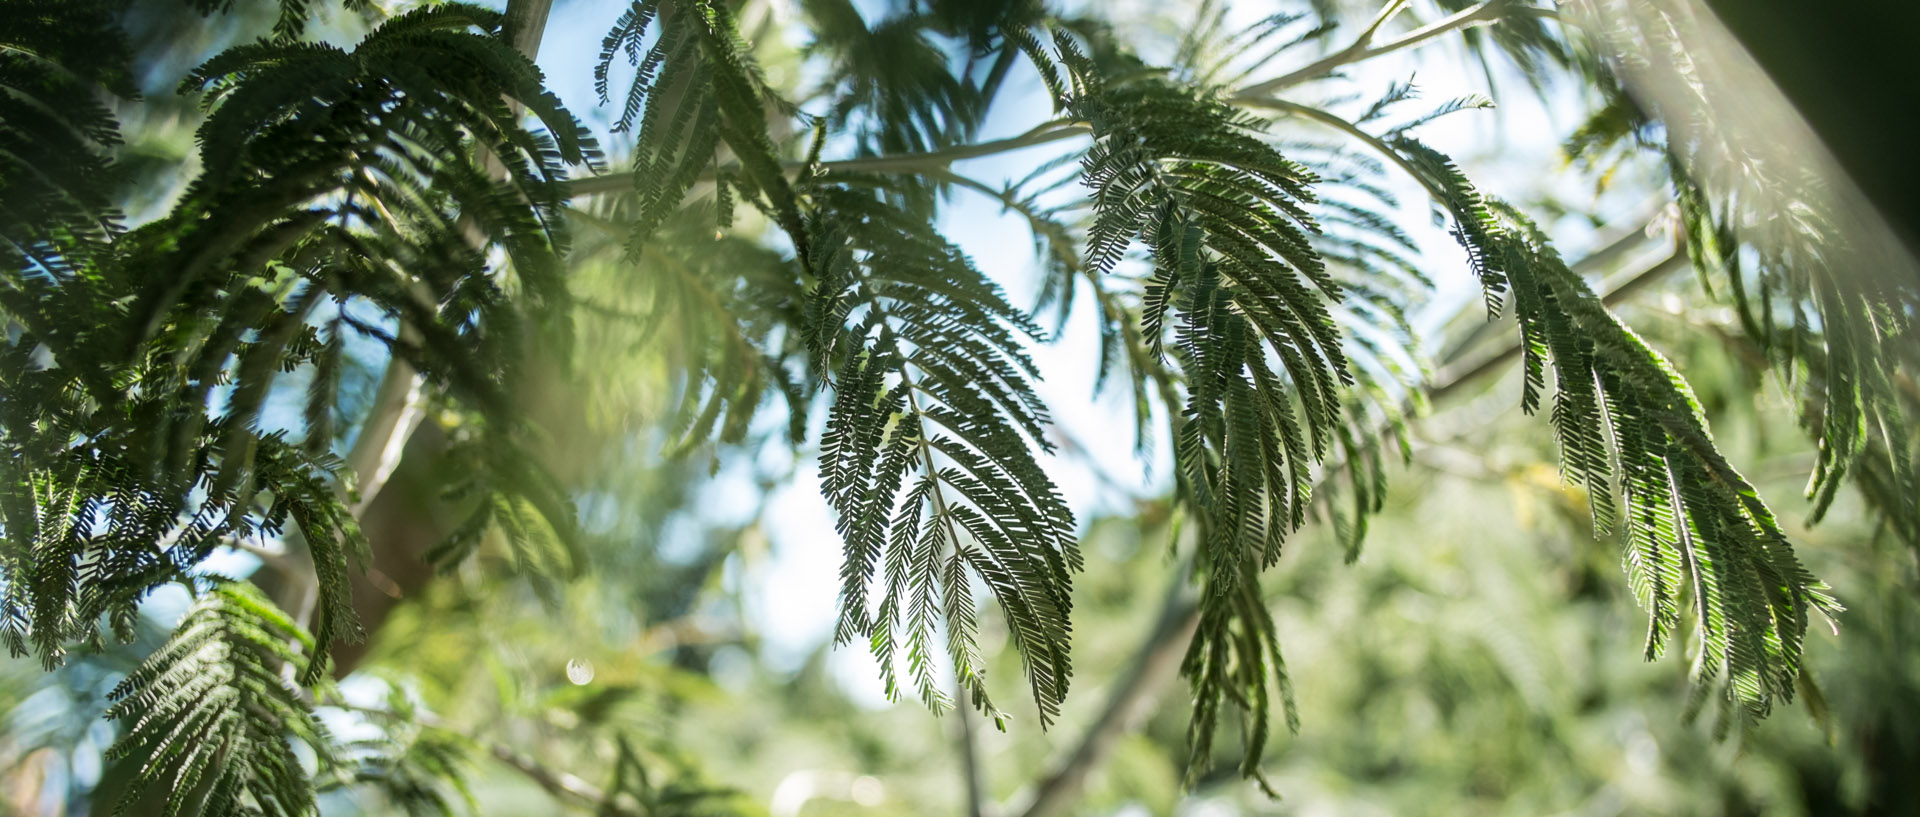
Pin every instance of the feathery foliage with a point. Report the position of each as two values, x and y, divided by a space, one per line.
911 338
1829 307
292 19
1696 531
58 61
720 307
1246 301
211 715
924 356
695 87
421 769
347 186
393 196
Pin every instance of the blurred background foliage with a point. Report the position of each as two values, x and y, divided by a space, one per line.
1479 657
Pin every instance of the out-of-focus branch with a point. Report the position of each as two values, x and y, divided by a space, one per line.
1152 667
974 778
402 528
390 421
924 162
1451 379
562 785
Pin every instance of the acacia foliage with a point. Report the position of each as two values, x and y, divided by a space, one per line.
1254 291
350 194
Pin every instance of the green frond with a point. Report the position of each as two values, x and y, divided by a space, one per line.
515 501
420 769
59 60
695 88
893 87
1697 535
211 717
1249 294
292 19
1813 295
926 362
343 189
718 305
1845 339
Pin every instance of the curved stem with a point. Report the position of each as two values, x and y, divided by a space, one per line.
1362 49
1385 150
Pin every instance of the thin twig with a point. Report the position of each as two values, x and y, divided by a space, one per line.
897 163
562 785
1362 49
974 776
1337 123
1446 384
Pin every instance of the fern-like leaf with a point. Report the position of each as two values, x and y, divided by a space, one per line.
1699 538
211 716
927 456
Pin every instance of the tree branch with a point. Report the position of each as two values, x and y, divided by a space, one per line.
527 24
1362 49
926 162
1449 380
390 421
561 785
1152 667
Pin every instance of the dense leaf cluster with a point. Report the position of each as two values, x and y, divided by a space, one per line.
1627 423
394 197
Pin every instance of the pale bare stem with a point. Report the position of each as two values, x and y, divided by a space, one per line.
527 24
1362 48
265 554
1456 376
396 412
561 785
1337 123
1387 12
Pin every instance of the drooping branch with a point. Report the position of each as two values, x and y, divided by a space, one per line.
1152 664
